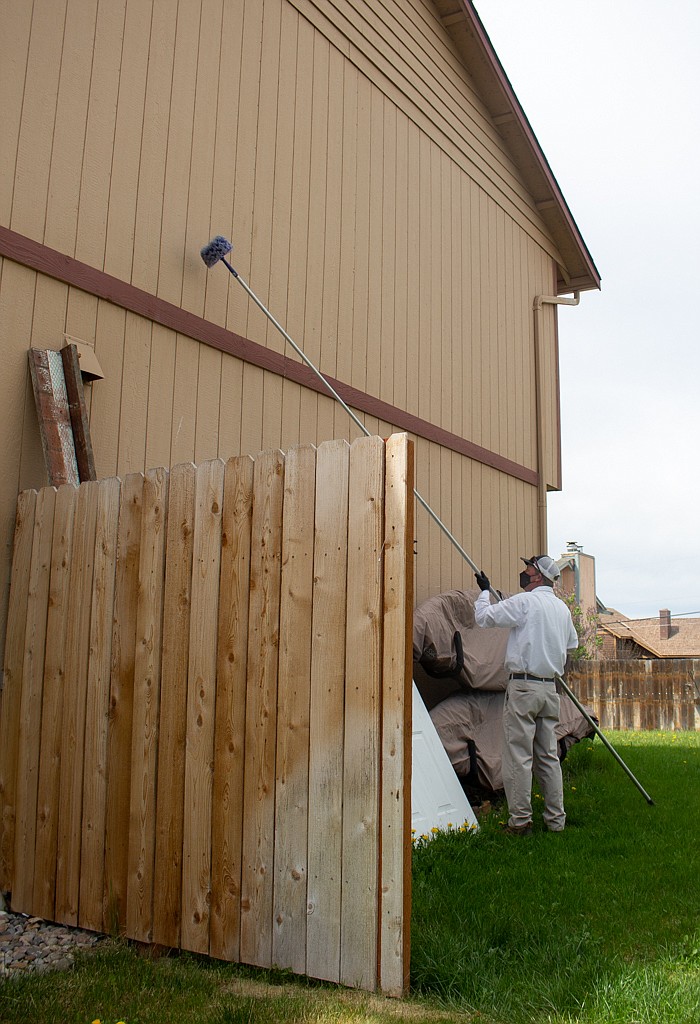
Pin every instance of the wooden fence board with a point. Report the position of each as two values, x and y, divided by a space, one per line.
358 964
52 712
292 758
31 703
201 696
146 700
11 694
97 708
261 711
121 695
327 700
396 732
229 749
74 706
173 705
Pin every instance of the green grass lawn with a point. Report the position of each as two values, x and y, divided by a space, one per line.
597 925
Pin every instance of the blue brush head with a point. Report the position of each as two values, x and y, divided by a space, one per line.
215 250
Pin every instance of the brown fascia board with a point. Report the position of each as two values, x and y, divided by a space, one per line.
464 26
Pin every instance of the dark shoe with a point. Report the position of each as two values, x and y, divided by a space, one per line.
517 830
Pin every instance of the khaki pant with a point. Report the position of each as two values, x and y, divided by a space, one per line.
530 716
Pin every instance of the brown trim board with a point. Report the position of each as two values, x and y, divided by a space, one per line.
44 260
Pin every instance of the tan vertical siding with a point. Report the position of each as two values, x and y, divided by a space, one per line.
14 44
372 207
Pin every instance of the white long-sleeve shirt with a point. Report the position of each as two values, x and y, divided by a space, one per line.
541 630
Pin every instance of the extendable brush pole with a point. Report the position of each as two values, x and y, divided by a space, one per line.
215 252
606 742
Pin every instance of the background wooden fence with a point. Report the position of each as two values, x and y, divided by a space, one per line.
649 694
205 735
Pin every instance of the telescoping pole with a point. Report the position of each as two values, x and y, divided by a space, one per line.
215 252
569 692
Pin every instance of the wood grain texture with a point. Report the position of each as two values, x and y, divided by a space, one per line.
121 698
201 697
261 711
31 700
289 909
229 750
362 749
52 710
11 693
74 705
97 708
172 731
146 706
327 717
396 730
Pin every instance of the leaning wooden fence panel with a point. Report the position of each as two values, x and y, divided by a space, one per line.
205 721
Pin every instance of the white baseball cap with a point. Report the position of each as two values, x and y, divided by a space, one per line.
544 565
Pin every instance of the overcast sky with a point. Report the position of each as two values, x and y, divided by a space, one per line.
611 89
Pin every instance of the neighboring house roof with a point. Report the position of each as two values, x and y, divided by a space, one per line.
461 21
684 641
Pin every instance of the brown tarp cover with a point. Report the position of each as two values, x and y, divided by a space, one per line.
469 726
435 623
469 720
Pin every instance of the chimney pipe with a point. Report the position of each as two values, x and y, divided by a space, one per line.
664 624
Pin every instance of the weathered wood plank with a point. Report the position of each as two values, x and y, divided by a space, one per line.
362 752
53 414
293 697
77 411
74 706
173 705
397 674
327 711
146 706
121 696
30 707
11 693
201 696
229 742
52 710
261 711
97 708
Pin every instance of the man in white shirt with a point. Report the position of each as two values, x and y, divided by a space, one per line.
541 633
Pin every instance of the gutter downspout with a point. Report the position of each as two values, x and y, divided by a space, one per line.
539 301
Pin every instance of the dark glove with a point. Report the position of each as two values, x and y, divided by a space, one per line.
482 580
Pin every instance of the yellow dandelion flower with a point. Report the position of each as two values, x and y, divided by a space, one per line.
434 830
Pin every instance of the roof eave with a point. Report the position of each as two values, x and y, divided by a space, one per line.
578 272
